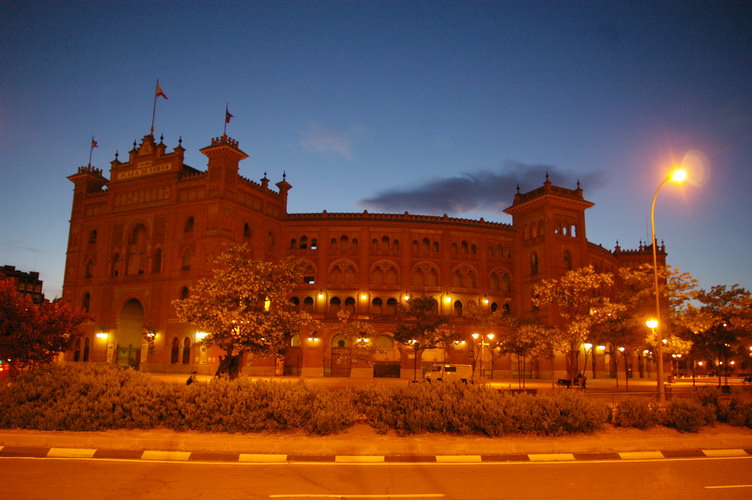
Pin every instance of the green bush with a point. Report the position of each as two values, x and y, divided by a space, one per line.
635 412
686 415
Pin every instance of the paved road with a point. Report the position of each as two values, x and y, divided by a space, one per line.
121 479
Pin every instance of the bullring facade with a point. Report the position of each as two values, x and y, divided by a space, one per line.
142 237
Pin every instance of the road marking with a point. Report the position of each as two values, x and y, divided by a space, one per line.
725 486
173 456
71 452
261 458
640 455
360 459
725 453
355 495
550 457
454 459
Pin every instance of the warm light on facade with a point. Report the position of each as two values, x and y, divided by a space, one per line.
101 335
201 335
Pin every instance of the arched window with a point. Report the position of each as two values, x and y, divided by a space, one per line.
293 244
534 263
340 342
186 351
175 352
185 261
314 244
303 242
77 351
89 269
377 306
93 237
87 346
116 264
334 305
136 257
188 225
308 304
156 261
184 292
246 230
85 302
391 306
295 303
567 259
350 304
383 342
458 308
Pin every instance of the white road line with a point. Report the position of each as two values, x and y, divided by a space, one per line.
640 455
261 458
71 452
454 459
355 495
359 459
173 456
550 457
725 453
726 486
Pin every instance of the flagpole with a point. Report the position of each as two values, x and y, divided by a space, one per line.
154 108
91 149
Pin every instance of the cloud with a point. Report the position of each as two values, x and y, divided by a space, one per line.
474 191
319 139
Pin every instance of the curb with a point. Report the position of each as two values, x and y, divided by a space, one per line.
266 459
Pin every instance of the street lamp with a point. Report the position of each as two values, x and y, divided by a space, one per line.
677 175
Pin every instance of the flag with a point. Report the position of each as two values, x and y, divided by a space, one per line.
160 93
227 115
94 144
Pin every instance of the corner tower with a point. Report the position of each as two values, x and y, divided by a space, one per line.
550 234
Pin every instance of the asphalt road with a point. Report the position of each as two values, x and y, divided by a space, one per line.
31 478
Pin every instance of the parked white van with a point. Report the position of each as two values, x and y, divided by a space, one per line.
450 373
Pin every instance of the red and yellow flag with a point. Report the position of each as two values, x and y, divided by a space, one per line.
160 93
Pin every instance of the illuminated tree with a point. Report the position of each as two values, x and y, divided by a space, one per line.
578 298
420 327
244 306
32 335
720 323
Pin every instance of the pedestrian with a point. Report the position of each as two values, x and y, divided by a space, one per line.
191 379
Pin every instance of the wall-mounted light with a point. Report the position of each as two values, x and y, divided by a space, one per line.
363 296
321 295
448 299
201 336
101 335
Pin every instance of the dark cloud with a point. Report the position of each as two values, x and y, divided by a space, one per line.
474 191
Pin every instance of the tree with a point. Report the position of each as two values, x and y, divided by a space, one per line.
32 335
244 306
419 327
579 301
720 322
527 338
636 291
359 336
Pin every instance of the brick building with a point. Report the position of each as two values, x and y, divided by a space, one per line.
27 283
140 238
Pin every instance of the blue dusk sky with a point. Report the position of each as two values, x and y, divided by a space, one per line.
430 107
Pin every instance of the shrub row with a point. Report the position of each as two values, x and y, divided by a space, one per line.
101 398
706 406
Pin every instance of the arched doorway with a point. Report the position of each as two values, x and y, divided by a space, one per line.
340 356
131 324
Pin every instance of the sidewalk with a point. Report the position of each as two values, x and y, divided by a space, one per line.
362 443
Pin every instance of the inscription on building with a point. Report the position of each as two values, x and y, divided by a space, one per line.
144 168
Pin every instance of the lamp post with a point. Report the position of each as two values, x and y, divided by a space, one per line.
677 175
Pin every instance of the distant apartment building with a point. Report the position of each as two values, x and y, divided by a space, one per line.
27 283
143 236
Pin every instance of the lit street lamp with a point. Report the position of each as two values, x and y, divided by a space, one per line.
677 175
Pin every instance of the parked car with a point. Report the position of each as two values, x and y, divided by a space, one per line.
450 373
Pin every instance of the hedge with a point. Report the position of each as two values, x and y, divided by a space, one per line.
91 398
